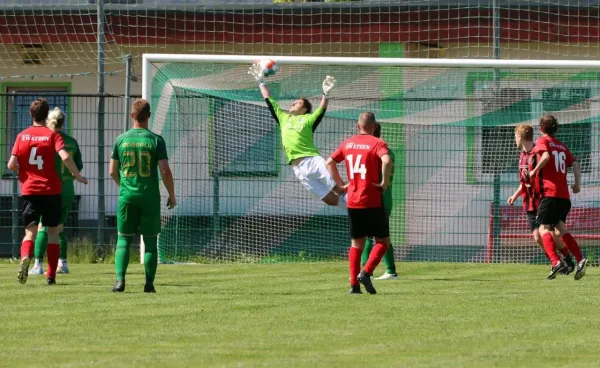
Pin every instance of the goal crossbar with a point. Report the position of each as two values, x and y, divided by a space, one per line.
148 59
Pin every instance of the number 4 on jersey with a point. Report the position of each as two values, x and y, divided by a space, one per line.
356 167
36 160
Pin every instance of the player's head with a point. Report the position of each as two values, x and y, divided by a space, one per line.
56 119
523 133
366 123
140 111
548 125
377 131
39 110
300 107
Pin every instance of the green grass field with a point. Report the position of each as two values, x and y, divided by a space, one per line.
299 315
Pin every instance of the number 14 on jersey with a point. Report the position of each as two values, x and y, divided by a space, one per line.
356 167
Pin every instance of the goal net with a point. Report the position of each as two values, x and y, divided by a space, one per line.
450 124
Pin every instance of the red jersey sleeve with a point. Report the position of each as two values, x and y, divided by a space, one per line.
541 146
15 149
59 143
570 158
382 149
338 154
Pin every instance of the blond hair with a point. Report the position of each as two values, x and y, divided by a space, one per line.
525 131
56 119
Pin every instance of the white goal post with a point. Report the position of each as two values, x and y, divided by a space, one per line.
358 79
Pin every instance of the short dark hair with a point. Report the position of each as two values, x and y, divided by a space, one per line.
140 110
39 110
548 124
307 105
377 131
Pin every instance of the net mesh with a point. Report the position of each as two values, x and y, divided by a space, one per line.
451 130
43 36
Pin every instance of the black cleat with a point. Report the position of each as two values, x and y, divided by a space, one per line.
149 288
355 289
23 270
581 269
50 281
555 269
119 286
365 279
569 265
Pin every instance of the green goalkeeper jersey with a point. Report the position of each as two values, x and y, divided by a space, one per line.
139 150
296 131
71 146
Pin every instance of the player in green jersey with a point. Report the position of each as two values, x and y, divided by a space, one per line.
56 122
388 258
297 126
134 160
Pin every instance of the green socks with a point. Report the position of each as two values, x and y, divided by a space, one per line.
62 242
150 258
41 243
388 257
366 251
122 255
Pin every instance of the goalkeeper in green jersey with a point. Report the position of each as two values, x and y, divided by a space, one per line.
297 126
56 121
388 258
135 157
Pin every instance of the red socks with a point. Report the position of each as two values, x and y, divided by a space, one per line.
572 246
550 249
53 253
27 247
376 254
354 261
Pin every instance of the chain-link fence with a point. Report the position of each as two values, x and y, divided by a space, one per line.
92 218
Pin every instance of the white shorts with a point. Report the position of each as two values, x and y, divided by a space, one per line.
313 174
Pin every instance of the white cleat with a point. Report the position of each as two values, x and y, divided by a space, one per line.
62 266
388 276
36 271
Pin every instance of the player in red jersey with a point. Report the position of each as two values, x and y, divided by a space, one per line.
531 199
555 204
369 168
32 157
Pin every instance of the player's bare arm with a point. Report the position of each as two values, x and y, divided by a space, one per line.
331 165
167 178
13 164
577 175
386 171
515 195
70 164
113 170
543 161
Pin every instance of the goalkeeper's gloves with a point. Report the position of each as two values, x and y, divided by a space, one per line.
328 84
256 71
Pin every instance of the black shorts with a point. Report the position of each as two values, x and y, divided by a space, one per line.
531 219
368 222
46 207
551 211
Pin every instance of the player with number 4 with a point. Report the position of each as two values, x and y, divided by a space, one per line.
297 127
555 204
33 157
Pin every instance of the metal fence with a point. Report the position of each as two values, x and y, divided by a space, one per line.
92 218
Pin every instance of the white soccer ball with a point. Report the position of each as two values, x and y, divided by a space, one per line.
268 67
